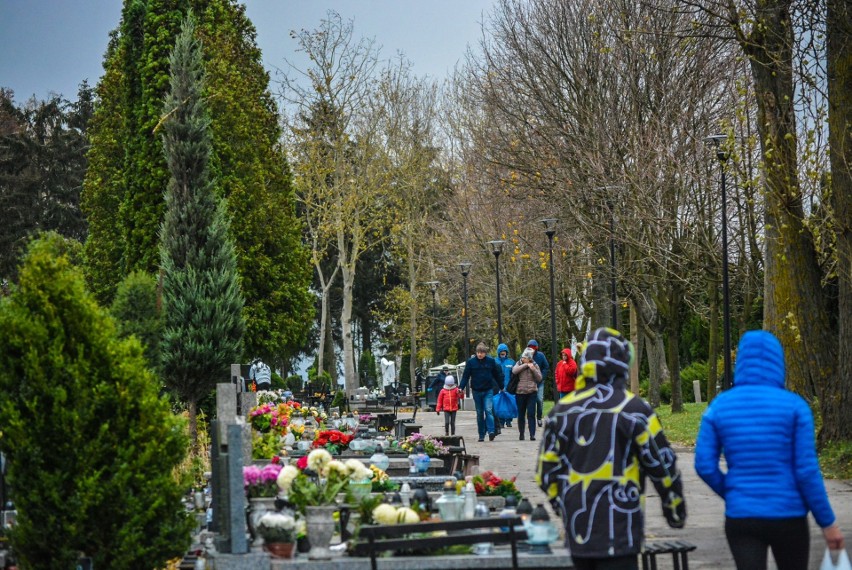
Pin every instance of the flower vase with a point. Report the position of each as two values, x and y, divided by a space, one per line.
320 525
360 489
258 506
280 549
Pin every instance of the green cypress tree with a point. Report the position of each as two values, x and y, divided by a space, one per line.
202 303
124 184
91 447
136 313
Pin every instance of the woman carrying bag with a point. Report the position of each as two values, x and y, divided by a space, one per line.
526 395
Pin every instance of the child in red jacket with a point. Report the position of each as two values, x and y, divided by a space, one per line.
448 402
566 374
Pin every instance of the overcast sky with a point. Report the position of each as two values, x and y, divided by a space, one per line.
52 45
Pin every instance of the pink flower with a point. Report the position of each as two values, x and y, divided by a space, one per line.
251 475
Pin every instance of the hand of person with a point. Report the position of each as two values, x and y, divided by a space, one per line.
833 537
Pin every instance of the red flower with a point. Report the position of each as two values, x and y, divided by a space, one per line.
334 437
276 459
302 462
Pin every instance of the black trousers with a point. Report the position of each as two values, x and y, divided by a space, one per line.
630 562
450 423
749 539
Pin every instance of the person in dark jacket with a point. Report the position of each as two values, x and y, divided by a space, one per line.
599 445
485 378
544 366
772 479
506 363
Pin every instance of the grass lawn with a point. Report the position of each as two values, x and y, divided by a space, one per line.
835 458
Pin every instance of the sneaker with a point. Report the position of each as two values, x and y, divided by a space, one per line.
539 422
532 438
508 424
481 440
491 436
521 438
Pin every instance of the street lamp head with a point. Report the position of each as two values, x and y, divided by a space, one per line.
433 285
549 226
465 267
716 142
496 246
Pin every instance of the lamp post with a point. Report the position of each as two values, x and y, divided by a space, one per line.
550 231
610 204
465 270
433 285
722 155
497 249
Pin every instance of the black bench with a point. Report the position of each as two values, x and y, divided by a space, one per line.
373 539
678 549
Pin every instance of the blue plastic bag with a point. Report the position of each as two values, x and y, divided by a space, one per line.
505 406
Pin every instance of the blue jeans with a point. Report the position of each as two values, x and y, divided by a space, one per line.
484 403
539 404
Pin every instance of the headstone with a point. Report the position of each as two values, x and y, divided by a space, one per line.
226 408
236 492
246 401
696 388
237 378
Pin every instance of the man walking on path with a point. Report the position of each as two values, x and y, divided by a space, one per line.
485 378
599 446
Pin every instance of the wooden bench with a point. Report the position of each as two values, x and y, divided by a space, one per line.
374 539
678 549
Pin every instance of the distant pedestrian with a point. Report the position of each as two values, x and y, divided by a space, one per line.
260 375
485 378
772 477
506 363
529 378
544 366
599 446
565 374
448 402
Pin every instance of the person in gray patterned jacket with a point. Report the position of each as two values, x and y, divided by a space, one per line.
599 445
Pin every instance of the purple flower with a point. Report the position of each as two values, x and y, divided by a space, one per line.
251 475
269 473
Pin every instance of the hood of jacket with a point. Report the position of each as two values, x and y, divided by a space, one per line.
567 351
760 360
502 347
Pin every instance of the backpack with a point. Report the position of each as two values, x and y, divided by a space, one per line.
512 386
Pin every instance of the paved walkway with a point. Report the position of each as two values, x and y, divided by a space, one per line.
507 456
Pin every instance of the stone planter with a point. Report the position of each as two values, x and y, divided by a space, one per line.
258 507
320 525
280 549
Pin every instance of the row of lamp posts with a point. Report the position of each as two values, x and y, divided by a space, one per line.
550 231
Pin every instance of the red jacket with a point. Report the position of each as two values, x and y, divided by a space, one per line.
448 400
566 373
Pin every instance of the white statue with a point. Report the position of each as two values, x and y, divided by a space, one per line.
388 372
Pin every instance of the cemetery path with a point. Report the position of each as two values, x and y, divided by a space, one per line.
508 457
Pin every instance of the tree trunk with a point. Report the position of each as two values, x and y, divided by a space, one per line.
412 317
192 413
323 325
329 358
795 307
649 322
350 379
634 338
673 346
837 421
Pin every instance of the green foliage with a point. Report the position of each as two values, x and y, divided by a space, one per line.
135 311
128 172
91 448
339 400
696 371
682 428
42 162
202 305
294 383
835 460
367 370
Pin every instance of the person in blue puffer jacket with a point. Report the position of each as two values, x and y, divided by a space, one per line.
506 363
772 480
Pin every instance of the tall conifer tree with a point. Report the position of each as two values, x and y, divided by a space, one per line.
123 191
202 303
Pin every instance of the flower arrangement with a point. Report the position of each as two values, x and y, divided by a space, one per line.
261 481
315 480
489 483
431 446
381 481
277 527
332 440
271 418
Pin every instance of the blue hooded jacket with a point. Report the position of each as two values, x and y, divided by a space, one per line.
506 364
766 434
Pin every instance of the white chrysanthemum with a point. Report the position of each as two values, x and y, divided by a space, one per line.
406 515
318 459
286 477
278 520
358 471
385 514
335 466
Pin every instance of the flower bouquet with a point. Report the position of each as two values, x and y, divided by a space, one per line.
489 484
277 527
261 481
431 446
315 480
334 441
